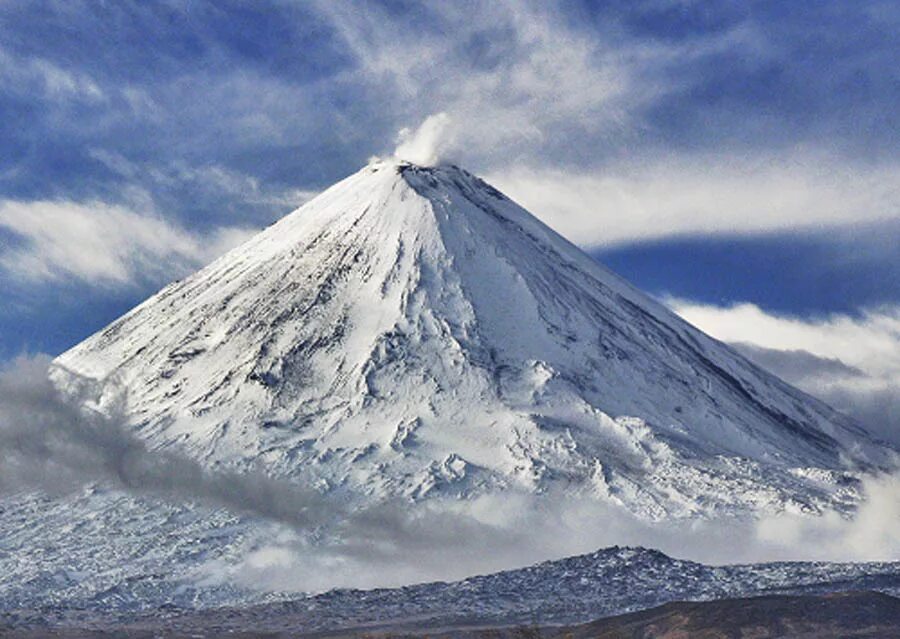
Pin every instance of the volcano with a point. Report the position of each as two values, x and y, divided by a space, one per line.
412 332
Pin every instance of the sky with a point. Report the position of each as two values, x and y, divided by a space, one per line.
739 160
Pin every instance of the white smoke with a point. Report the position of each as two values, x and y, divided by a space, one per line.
426 145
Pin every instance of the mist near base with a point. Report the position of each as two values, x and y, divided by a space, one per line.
48 443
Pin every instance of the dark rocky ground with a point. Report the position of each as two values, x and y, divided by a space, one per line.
853 614
609 585
849 614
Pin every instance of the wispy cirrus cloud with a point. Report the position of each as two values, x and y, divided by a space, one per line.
300 95
567 110
30 74
102 243
505 73
518 80
238 192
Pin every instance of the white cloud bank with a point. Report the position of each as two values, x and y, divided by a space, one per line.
704 195
852 363
102 243
871 535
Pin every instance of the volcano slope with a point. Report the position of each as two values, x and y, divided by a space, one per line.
413 333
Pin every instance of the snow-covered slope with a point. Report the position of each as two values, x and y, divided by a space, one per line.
411 331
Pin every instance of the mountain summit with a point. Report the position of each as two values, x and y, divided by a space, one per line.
413 332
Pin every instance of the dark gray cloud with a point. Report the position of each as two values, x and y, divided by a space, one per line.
876 408
872 401
48 443
851 361
797 366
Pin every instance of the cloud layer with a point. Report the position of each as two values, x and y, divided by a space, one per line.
49 443
852 363
721 194
293 96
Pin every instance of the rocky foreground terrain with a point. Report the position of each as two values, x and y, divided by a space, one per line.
830 616
853 614
545 597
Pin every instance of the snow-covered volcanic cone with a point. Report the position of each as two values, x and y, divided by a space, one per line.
411 332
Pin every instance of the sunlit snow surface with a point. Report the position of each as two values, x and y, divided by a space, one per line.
413 334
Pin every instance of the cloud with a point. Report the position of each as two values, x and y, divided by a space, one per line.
26 74
448 540
723 194
206 182
797 364
852 363
48 442
51 443
102 243
615 129
534 93
871 535
508 74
